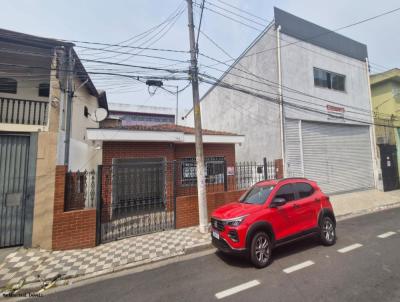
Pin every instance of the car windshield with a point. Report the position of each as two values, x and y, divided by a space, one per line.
256 195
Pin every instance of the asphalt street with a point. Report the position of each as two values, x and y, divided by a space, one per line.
364 265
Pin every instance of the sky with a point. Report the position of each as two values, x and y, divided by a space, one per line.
116 21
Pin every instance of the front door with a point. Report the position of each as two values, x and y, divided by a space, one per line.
14 151
390 174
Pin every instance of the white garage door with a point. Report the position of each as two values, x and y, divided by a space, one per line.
337 156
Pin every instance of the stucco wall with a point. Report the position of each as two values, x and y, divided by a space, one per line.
83 153
298 62
257 119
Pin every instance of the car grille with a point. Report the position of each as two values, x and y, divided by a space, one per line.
217 224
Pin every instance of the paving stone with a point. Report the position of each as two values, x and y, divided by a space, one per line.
30 263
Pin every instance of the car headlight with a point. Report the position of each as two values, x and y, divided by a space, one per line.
235 221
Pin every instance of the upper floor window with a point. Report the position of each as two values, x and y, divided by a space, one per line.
85 111
44 89
8 85
327 79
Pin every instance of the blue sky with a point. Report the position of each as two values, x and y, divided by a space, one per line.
118 20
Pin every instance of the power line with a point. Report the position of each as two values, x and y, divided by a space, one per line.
236 14
327 31
242 10
199 28
230 18
136 38
274 84
286 103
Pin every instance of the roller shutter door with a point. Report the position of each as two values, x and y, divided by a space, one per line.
337 156
293 148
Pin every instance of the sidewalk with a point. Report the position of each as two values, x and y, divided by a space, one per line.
33 265
363 202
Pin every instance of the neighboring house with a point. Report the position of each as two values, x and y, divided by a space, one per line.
322 131
385 89
146 167
127 114
36 76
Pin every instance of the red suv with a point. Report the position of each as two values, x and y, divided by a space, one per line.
272 213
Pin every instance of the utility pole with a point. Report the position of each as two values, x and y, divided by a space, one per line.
69 89
200 168
176 109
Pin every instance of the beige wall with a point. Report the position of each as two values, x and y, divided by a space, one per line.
45 172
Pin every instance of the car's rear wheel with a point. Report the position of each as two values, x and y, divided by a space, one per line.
260 250
328 231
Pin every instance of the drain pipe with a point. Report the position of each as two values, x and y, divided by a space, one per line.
375 160
281 109
70 75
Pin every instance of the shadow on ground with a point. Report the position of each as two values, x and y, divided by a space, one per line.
278 253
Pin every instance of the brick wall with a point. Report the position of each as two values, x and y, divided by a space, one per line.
73 229
187 210
279 168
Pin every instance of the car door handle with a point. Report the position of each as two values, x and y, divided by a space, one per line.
317 199
296 206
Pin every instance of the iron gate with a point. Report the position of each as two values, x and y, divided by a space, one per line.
14 152
137 197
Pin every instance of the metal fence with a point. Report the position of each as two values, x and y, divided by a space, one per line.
222 176
80 190
139 197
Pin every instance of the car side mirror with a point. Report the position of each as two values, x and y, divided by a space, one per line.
277 202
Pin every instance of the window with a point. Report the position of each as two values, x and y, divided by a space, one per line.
304 189
44 89
286 192
8 85
85 111
214 170
80 183
257 194
327 79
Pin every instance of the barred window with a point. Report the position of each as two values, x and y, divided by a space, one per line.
214 170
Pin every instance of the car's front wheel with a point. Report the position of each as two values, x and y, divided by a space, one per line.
328 231
260 250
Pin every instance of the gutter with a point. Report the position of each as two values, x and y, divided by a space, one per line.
281 109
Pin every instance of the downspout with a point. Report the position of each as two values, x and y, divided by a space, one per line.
375 162
68 125
281 112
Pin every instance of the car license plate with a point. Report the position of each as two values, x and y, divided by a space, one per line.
215 234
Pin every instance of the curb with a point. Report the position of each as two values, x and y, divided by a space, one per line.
367 211
68 280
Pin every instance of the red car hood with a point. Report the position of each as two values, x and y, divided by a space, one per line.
235 209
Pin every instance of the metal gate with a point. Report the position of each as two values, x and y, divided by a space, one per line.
137 197
14 154
390 174
337 156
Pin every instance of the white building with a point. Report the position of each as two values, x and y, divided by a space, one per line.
129 114
322 131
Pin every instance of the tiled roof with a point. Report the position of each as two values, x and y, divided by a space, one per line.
171 128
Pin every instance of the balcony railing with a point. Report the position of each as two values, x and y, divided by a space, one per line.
26 112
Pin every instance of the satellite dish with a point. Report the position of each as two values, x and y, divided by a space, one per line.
99 115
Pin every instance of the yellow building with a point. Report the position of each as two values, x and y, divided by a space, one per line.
385 89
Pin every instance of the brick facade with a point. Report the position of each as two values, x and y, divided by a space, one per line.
187 210
168 151
73 229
